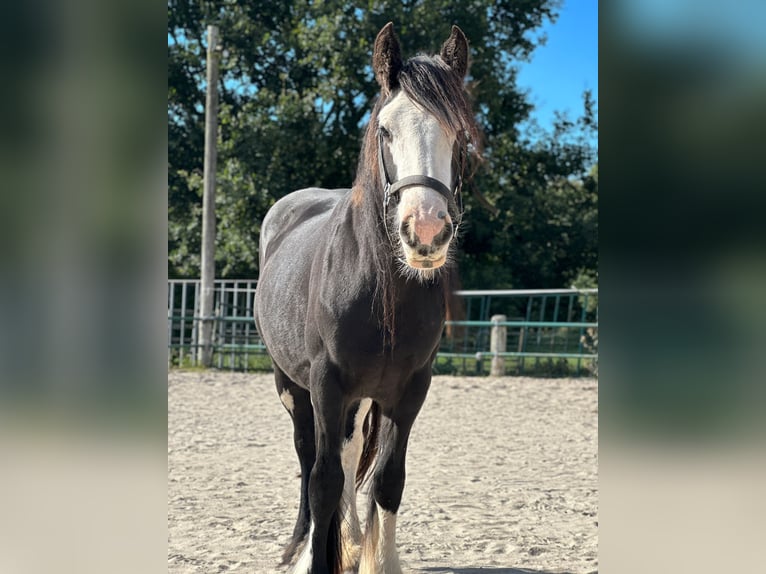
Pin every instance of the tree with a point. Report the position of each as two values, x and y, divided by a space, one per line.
544 231
296 88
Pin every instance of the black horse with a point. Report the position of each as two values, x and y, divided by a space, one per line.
351 304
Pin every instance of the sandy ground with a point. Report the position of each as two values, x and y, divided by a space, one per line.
501 476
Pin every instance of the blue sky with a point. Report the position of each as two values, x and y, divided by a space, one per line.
566 66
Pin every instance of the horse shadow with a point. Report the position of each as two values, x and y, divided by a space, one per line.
448 570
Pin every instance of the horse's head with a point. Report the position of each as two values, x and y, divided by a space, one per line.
423 126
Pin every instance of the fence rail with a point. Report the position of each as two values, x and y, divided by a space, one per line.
544 332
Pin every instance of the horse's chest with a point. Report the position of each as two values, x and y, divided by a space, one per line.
357 340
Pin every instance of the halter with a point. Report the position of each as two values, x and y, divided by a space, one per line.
454 196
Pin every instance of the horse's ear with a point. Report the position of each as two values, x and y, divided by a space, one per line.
387 58
455 52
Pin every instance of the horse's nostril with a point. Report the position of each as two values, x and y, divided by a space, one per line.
445 235
406 233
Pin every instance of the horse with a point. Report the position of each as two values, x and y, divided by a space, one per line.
350 304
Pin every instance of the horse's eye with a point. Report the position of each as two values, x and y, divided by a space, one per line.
384 132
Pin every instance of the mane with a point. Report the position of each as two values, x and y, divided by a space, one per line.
435 88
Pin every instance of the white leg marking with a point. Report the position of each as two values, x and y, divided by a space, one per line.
303 565
350 530
379 555
287 400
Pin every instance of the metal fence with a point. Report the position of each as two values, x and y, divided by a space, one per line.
546 332
236 342
549 332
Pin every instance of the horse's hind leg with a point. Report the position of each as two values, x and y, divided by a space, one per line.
379 554
297 401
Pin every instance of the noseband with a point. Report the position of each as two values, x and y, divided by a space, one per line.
453 196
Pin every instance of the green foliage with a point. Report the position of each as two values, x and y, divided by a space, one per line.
295 92
544 231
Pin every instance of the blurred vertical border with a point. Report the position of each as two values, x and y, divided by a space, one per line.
683 283
83 401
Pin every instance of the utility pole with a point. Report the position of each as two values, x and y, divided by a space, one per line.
206 324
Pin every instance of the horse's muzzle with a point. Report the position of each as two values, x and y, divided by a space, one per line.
425 239
428 232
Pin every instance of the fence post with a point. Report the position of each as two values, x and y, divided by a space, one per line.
497 344
208 202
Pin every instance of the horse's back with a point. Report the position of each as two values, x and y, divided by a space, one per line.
290 234
305 208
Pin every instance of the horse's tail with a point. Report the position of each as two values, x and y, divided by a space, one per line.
370 449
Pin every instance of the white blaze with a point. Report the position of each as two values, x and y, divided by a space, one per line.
418 145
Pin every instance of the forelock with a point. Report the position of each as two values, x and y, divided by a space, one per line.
432 85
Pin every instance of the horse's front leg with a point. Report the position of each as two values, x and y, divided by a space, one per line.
353 444
379 554
297 402
321 553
